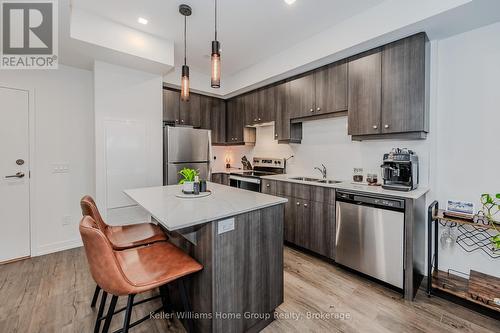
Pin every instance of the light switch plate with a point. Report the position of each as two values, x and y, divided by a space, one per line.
225 226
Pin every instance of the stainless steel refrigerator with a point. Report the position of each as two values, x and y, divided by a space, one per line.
185 147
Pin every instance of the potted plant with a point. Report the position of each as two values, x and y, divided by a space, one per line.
491 207
188 181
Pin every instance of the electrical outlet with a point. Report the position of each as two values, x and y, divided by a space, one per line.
66 220
225 226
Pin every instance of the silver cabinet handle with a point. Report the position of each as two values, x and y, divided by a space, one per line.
312 110
17 175
318 109
298 203
305 205
255 119
182 120
276 135
386 126
375 126
268 185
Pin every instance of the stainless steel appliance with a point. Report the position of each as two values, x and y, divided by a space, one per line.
250 179
185 147
370 236
400 170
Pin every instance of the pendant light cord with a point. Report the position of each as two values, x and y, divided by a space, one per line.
185 48
215 19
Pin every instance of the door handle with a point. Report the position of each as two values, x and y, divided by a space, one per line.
17 175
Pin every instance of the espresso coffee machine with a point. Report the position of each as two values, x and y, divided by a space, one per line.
400 170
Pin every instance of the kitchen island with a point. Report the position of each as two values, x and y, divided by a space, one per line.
237 236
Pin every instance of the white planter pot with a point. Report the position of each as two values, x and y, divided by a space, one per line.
187 187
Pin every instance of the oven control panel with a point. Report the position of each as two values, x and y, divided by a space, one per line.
269 162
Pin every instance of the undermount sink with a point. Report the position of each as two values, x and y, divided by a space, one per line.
329 181
306 179
323 181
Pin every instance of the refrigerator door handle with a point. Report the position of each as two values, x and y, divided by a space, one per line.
210 156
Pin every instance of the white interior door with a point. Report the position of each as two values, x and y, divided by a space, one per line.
14 174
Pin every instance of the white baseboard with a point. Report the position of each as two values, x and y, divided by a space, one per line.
57 247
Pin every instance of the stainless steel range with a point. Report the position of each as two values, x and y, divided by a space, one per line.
251 179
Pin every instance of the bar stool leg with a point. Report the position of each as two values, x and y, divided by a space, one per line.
100 312
96 294
128 313
165 300
109 315
186 305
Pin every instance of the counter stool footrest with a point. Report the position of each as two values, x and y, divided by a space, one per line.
137 322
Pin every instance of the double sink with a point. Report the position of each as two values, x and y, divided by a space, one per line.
317 180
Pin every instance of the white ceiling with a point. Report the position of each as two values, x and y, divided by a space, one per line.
249 30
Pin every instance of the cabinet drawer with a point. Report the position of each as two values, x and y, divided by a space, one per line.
299 191
268 186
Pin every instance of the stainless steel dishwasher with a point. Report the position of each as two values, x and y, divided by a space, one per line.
370 236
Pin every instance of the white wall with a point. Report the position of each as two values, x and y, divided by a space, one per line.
128 138
468 127
460 158
64 134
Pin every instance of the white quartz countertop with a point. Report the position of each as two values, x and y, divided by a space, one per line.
175 213
346 185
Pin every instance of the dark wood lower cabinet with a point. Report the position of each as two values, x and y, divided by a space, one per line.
220 178
309 215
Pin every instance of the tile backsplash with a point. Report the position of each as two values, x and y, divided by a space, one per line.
325 142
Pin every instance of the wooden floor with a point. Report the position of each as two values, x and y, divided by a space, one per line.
52 294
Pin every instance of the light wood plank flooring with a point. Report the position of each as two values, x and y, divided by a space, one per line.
52 294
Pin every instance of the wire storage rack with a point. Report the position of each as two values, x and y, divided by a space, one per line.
475 289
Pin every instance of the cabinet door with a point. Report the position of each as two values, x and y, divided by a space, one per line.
266 110
404 85
218 120
302 223
364 102
290 218
249 105
171 101
235 121
331 88
205 112
217 178
321 229
300 96
282 122
190 111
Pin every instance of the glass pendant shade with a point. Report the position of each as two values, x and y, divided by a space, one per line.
215 82
185 83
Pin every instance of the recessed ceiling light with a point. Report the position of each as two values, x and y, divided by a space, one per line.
289 2
142 20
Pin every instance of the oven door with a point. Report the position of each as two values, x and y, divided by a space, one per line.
245 183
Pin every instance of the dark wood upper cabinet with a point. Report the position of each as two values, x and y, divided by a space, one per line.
218 121
189 113
404 107
300 96
248 103
235 120
365 92
205 111
171 100
331 88
388 91
265 107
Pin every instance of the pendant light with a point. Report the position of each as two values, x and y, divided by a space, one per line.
215 82
186 11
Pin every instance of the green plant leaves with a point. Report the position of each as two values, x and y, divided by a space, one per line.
188 174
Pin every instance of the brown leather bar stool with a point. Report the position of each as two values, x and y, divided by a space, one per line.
121 237
134 271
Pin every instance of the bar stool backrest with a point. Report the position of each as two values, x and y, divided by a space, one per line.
89 208
103 264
